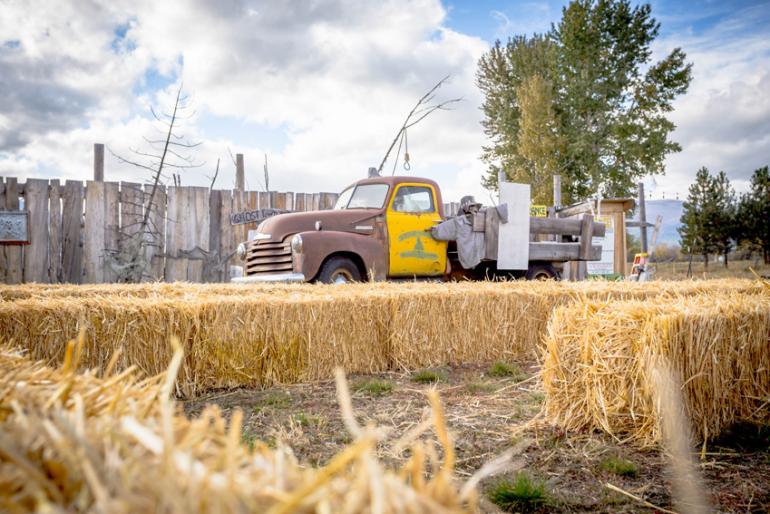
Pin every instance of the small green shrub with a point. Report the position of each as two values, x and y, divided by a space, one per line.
306 420
374 387
504 369
537 397
275 399
620 466
522 494
248 438
479 387
429 376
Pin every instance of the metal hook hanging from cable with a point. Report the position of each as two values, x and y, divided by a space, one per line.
407 165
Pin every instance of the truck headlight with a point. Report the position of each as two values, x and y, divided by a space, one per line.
241 251
296 244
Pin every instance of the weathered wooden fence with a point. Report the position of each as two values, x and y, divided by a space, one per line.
76 229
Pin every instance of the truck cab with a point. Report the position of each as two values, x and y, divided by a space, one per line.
378 229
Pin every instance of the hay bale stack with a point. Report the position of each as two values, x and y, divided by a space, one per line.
243 335
255 340
599 358
474 322
80 443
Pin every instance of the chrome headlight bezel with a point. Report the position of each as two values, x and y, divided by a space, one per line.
240 251
296 244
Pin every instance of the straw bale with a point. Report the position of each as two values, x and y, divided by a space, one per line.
472 322
599 357
81 443
256 335
229 341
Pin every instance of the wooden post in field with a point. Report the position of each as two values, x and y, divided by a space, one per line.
98 162
557 191
240 180
586 235
642 219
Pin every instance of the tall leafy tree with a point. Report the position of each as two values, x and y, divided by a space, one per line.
697 232
501 72
610 101
722 211
539 144
754 214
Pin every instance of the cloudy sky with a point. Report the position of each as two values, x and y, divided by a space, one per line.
321 86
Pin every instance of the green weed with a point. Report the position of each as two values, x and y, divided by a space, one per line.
503 369
429 376
374 387
620 466
522 494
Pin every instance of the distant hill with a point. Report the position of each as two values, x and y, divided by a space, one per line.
671 211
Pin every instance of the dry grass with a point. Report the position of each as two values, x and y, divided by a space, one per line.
599 358
237 335
116 443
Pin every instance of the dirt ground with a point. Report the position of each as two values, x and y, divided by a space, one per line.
486 413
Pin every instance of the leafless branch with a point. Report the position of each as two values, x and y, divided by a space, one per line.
421 110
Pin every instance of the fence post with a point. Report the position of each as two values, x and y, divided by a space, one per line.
98 162
240 181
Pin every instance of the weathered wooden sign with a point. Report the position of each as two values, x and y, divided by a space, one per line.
14 227
255 216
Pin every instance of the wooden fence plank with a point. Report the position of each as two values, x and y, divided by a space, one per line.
3 264
174 220
131 214
72 223
111 230
264 200
155 237
54 233
197 234
226 247
212 270
239 231
328 200
93 236
316 202
13 254
299 202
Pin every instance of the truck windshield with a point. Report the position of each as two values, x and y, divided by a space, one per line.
367 196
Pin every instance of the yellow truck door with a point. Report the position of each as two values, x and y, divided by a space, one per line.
413 251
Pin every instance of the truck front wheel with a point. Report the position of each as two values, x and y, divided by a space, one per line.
542 271
339 270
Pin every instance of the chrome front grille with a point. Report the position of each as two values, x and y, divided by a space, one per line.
265 257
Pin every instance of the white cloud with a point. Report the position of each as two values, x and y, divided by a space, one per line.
723 122
337 76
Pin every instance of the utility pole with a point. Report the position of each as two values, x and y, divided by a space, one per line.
557 191
642 218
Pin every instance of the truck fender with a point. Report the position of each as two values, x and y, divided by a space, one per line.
317 246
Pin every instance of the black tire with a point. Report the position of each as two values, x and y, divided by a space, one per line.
541 271
339 270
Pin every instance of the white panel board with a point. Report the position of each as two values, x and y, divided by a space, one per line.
513 240
606 266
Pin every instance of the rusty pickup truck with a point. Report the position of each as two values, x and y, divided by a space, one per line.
379 229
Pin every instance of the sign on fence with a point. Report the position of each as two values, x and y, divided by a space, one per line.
14 228
255 216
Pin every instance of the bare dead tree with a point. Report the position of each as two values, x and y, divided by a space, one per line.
214 178
424 107
173 152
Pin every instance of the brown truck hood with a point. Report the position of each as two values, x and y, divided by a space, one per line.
346 220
